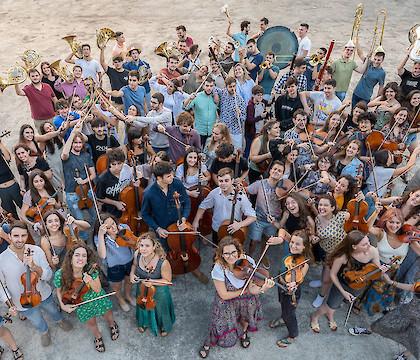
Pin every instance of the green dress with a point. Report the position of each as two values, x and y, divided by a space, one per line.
162 317
92 309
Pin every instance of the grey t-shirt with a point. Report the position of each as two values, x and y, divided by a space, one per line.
72 163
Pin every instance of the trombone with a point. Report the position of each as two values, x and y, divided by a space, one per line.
356 23
377 47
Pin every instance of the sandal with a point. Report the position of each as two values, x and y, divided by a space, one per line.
245 342
115 332
273 324
284 343
315 327
204 351
163 333
332 325
141 330
99 345
17 354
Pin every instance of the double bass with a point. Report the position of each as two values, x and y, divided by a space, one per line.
183 256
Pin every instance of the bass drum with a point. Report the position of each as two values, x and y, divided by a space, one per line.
282 42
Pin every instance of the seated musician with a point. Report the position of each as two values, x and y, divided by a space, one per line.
226 158
77 265
220 200
365 123
158 206
184 132
99 141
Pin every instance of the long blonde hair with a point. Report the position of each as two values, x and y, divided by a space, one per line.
246 73
157 245
224 131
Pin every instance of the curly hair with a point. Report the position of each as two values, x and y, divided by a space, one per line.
226 241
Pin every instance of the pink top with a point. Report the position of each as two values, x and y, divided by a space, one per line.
67 88
40 101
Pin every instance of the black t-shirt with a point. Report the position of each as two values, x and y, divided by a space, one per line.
72 163
5 173
99 147
118 79
217 165
408 82
108 186
285 106
58 94
40 164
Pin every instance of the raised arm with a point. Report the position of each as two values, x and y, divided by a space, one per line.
102 59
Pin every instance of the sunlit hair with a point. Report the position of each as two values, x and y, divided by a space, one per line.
226 241
150 235
388 215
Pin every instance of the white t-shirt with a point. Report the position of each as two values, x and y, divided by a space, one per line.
323 106
89 68
304 44
219 273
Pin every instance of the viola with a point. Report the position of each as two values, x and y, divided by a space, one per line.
72 235
319 137
409 233
33 214
359 279
183 256
74 295
240 234
126 238
30 297
295 272
358 211
145 299
82 191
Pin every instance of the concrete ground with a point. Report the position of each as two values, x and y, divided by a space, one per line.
192 305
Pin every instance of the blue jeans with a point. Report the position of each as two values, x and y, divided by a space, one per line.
72 199
35 316
341 94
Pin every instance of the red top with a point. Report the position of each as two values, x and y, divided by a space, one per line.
169 75
40 101
189 41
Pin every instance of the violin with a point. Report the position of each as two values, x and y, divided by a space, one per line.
358 211
145 299
319 137
203 190
240 234
82 191
294 271
359 279
74 295
284 187
376 141
72 235
126 238
33 214
409 233
30 297
183 256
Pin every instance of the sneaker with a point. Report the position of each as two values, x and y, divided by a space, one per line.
355 331
132 301
318 301
401 356
124 306
315 283
65 325
46 339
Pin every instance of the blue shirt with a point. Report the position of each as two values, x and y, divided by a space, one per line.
256 60
367 82
132 65
267 82
58 120
244 90
132 97
205 112
242 38
159 210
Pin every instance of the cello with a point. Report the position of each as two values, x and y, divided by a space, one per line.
240 234
30 297
183 256
82 191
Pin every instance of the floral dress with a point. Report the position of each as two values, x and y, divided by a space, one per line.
92 309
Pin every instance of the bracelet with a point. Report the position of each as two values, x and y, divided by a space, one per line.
394 284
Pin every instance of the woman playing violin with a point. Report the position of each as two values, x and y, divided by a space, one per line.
344 190
386 104
349 163
323 138
319 177
298 247
352 120
138 147
410 204
290 153
233 315
118 259
56 242
150 264
220 134
76 270
352 254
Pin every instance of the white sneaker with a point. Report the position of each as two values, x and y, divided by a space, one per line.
315 283
124 306
318 301
359 331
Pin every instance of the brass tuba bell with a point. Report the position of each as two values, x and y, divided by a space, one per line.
31 59
166 50
62 71
75 46
103 36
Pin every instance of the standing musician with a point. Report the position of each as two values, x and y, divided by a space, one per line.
90 67
410 80
240 37
268 74
298 71
324 137
233 314
72 83
101 140
76 158
78 269
171 71
158 206
152 272
219 134
253 59
22 259
219 199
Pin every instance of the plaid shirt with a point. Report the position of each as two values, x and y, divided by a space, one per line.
301 79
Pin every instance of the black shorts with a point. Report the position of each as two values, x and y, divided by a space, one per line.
117 273
335 298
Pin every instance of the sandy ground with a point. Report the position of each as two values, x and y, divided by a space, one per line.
40 24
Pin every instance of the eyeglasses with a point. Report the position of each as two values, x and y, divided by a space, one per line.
231 254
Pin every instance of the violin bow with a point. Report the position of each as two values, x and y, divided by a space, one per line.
373 167
47 235
339 131
202 83
209 241
279 276
411 125
254 270
387 135
395 178
98 298
174 138
309 141
349 311
7 317
265 195
93 196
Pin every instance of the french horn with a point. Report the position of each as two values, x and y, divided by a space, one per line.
415 51
62 71
31 59
103 36
166 50
16 74
75 46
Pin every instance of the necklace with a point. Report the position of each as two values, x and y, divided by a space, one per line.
146 264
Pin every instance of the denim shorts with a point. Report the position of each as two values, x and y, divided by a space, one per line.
335 297
117 273
259 228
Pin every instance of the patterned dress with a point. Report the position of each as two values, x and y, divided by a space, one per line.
92 309
332 234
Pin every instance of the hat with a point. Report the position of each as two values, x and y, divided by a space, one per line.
350 44
134 47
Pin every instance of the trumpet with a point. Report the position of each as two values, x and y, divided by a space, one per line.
62 71
31 59
377 47
16 74
265 65
103 36
75 46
